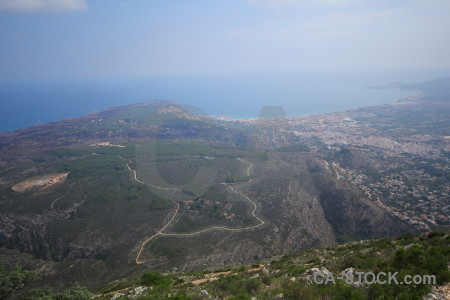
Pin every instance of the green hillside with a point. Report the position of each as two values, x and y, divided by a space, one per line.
285 277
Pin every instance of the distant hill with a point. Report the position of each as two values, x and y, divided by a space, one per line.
159 187
436 90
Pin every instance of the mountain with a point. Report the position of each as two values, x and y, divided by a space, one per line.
157 119
293 276
158 186
374 269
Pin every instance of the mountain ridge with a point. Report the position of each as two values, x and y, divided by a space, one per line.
130 167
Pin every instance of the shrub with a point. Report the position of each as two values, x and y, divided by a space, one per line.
40 294
14 280
160 204
435 234
235 285
240 297
266 280
180 297
76 293
155 279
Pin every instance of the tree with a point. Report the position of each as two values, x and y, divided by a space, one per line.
14 280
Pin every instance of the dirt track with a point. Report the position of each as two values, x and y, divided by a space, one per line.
161 231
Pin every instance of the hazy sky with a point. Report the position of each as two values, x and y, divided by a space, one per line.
138 38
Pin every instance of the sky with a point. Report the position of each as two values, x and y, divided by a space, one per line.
99 39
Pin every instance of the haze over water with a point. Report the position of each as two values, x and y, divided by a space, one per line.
65 58
235 96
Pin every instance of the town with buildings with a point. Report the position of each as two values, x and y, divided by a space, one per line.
397 154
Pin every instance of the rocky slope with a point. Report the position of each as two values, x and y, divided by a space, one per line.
102 212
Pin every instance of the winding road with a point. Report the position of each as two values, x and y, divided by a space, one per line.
151 185
161 231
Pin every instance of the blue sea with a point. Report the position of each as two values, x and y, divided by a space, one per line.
25 103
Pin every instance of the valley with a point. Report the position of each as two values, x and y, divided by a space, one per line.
155 187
